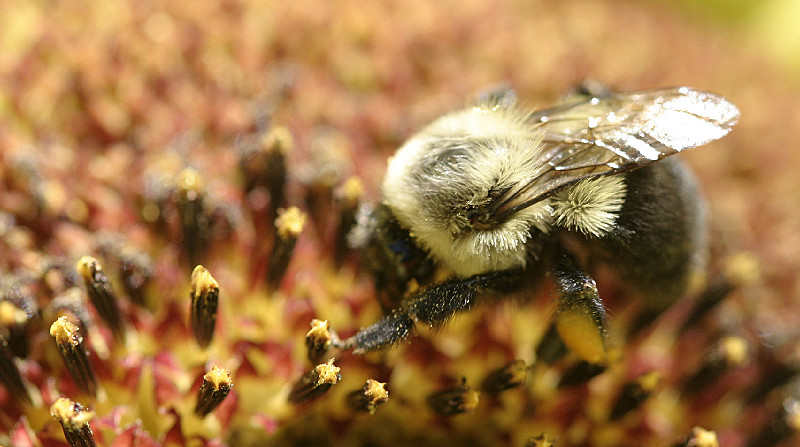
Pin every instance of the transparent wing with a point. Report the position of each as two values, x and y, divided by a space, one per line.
618 133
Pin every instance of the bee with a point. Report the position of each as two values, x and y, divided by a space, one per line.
506 198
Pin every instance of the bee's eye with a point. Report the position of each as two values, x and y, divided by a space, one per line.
474 216
478 219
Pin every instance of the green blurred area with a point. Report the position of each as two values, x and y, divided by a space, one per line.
730 11
769 25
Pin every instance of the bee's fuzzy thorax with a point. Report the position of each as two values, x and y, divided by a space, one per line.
456 163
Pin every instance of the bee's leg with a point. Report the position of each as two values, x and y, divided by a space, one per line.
433 306
500 96
592 88
580 318
390 253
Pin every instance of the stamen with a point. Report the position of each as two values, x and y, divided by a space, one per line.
290 223
368 398
195 221
509 376
216 385
348 196
203 313
100 294
74 354
635 393
318 340
315 383
10 375
74 420
449 402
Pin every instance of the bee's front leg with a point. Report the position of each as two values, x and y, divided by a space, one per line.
434 306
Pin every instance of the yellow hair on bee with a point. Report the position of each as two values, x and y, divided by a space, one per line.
591 206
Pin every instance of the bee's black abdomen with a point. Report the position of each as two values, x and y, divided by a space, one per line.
660 241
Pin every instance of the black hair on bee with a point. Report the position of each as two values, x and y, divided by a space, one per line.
504 197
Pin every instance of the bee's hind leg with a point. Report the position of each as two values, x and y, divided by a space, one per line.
579 318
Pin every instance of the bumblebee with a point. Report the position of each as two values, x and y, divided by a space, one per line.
506 198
